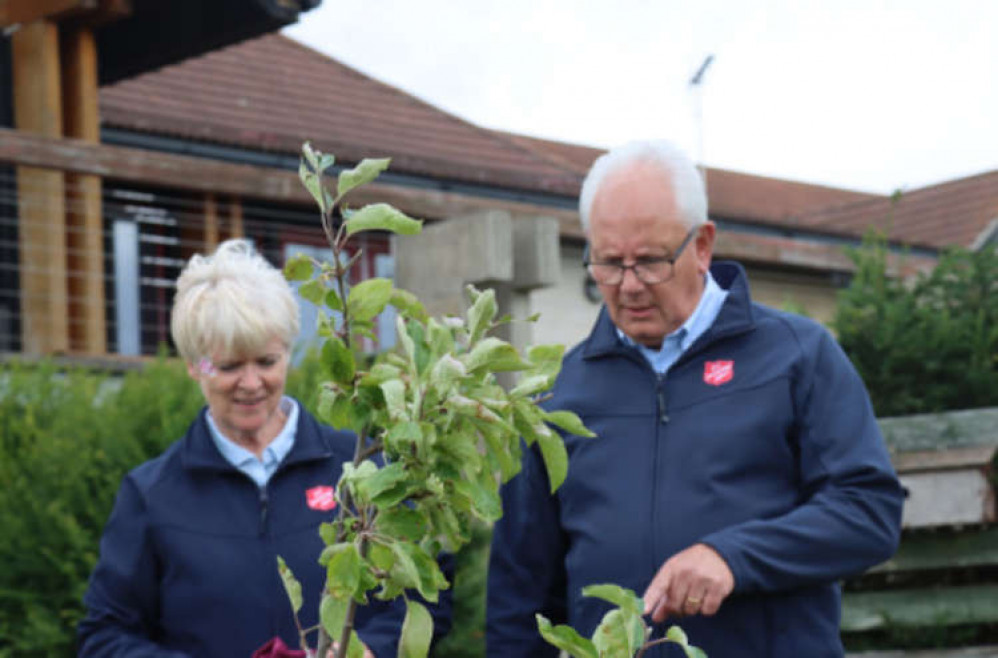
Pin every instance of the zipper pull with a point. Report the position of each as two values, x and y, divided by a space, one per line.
662 416
263 511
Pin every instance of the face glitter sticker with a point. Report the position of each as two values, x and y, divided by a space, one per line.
206 367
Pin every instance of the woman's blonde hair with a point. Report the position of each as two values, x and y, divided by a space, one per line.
232 302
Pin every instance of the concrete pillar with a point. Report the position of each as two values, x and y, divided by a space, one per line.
489 250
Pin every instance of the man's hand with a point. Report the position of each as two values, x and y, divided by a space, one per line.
693 581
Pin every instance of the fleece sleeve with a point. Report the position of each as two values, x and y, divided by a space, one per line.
849 517
121 599
526 566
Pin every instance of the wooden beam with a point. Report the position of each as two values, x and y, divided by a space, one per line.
915 608
40 192
282 186
84 219
13 12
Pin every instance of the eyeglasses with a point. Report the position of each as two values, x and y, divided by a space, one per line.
648 270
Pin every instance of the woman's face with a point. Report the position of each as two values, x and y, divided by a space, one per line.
244 392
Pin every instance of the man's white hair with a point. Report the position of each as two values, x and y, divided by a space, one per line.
677 168
233 302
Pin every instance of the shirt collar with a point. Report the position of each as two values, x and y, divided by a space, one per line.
273 454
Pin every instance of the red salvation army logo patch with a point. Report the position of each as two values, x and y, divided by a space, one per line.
321 498
716 373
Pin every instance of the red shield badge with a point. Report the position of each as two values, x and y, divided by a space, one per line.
716 373
321 498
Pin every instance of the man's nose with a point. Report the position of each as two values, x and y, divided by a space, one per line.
630 281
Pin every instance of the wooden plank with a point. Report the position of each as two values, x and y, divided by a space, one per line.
952 429
947 497
13 12
944 550
976 457
935 606
40 192
84 217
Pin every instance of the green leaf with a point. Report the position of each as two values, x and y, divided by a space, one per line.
382 217
367 170
394 392
313 291
408 345
383 480
332 613
496 355
611 637
338 361
566 639
291 584
484 495
621 597
343 572
417 631
332 300
555 456
299 268
408 304
446 372
546 359
569 422
328 533
335 409
481 313
368 298
532 385
403 522
313 184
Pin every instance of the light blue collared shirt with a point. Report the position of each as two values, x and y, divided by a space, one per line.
679 340
259 469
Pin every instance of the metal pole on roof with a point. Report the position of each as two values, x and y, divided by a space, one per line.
696 86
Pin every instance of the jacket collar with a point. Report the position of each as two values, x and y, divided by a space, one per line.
735 315
199 450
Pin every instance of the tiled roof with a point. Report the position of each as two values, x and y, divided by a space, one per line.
272 93
732 195
953 213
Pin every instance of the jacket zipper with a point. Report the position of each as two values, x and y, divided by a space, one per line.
264 506
660 390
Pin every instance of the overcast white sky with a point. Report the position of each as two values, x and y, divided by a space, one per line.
866 94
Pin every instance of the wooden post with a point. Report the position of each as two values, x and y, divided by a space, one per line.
41 192
84 219
236 229
210 223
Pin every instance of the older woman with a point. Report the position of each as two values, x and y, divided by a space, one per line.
188 558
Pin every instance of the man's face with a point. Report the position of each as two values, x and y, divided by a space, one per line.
634 216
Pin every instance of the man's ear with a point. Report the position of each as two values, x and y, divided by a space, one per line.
193 371
704 245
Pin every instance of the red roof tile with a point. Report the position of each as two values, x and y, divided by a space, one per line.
273 93
952 213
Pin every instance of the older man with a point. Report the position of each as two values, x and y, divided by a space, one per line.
738 471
